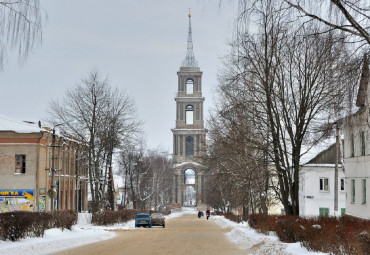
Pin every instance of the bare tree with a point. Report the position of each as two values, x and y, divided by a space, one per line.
293 76
352 17
103 119
20 27
147 177
241 174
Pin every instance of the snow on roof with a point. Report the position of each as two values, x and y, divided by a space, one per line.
316 150
322 165
185 163
18 126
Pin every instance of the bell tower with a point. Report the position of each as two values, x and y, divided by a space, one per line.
189 135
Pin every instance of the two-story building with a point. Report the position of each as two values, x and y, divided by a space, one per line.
317 186
357 150
27 172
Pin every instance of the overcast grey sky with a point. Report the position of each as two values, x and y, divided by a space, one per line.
138 44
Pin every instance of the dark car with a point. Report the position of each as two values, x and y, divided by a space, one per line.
158 219
143 220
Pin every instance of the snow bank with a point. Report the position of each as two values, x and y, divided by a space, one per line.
256 243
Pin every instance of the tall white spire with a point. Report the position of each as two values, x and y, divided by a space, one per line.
189 60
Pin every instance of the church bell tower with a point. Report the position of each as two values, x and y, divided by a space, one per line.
189 135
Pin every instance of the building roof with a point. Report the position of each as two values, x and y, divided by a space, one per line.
189 60
362 91
18 126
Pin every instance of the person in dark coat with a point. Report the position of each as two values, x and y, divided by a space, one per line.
199 214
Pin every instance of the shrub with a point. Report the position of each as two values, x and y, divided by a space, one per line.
288 229
63 219
262 223
14 225
232 217
105 218
17 225
41 222
345 235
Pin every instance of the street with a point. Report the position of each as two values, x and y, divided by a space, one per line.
183 235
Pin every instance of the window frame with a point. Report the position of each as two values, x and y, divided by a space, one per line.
189 115
352 145
189 83
363 188
353 191
324 187
342 184
189 146
363 144
20 164
323 211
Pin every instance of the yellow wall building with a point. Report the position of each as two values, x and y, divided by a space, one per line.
26 169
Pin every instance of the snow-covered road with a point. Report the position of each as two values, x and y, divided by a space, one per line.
84 233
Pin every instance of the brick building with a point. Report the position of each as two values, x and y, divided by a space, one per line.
26 169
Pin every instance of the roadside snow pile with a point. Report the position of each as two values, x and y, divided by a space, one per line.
54 240
81 234
256 243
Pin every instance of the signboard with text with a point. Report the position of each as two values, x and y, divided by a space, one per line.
13 200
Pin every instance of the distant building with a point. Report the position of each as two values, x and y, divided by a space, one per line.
357 151
189 135
317 181
25 169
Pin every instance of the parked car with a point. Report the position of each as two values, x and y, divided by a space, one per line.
143 220
158 219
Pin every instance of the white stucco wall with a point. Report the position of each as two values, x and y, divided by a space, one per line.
310 196
357 166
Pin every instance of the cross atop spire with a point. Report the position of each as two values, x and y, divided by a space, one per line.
189 60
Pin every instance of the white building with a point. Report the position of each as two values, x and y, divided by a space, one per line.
357 151
316 194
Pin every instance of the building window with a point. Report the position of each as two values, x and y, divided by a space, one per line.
342 184
324 212
324 184
189 147
363 147
352 145
189 119
20 164
353 191
189 86
363 191
342 211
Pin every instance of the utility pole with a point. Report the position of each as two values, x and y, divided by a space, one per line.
52 170
77 183
337 158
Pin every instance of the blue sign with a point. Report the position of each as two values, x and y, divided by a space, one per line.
16 192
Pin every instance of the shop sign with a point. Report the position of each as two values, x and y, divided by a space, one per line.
42 192
28 193
13 200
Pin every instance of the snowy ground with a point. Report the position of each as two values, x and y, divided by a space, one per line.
83 233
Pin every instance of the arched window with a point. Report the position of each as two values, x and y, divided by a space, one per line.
189 176
189 86
189 146
189 118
